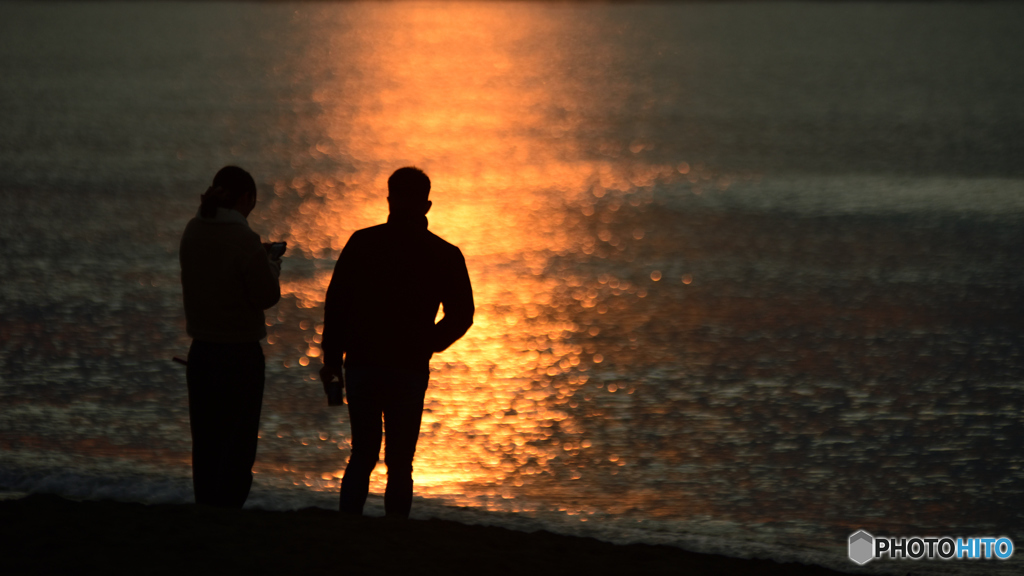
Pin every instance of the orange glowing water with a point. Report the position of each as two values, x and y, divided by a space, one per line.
474 97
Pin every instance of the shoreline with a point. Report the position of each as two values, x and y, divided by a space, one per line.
50 534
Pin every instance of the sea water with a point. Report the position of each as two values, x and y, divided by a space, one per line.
748 277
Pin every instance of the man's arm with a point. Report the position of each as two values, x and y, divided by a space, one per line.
335 328
458 306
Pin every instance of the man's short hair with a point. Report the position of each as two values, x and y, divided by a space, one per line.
408 185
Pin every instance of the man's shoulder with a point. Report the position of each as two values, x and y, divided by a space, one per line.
364 235
369 232
441 242
444 249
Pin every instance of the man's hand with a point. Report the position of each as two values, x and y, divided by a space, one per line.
335 391
327 373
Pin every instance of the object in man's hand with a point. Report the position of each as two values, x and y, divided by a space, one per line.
180 360
335 393
276 249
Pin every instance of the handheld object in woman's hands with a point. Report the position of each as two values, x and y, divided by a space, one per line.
276 249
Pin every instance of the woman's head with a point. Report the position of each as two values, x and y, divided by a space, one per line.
232 188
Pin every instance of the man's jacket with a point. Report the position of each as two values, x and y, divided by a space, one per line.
384 296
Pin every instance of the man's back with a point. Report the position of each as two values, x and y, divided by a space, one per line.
379 316
384 296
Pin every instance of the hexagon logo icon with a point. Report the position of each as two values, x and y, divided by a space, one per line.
861 547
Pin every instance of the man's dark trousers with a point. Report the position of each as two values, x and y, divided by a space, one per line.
225 396
396 395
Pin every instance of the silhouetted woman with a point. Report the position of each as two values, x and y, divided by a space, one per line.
228 280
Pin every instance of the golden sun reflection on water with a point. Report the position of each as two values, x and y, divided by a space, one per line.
474 97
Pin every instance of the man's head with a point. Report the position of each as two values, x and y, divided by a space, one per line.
408 190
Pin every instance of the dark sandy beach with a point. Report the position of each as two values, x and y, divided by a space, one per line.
44 534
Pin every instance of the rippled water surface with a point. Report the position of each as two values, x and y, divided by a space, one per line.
748 277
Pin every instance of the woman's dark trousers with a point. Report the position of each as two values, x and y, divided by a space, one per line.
225 394
398 397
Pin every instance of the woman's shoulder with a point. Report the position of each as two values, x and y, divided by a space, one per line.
211 232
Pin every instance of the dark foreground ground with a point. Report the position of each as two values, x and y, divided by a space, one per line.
43 534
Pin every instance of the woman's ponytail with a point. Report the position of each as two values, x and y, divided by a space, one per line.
210 201
230 184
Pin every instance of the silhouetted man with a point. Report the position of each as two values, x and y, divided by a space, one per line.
379 323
